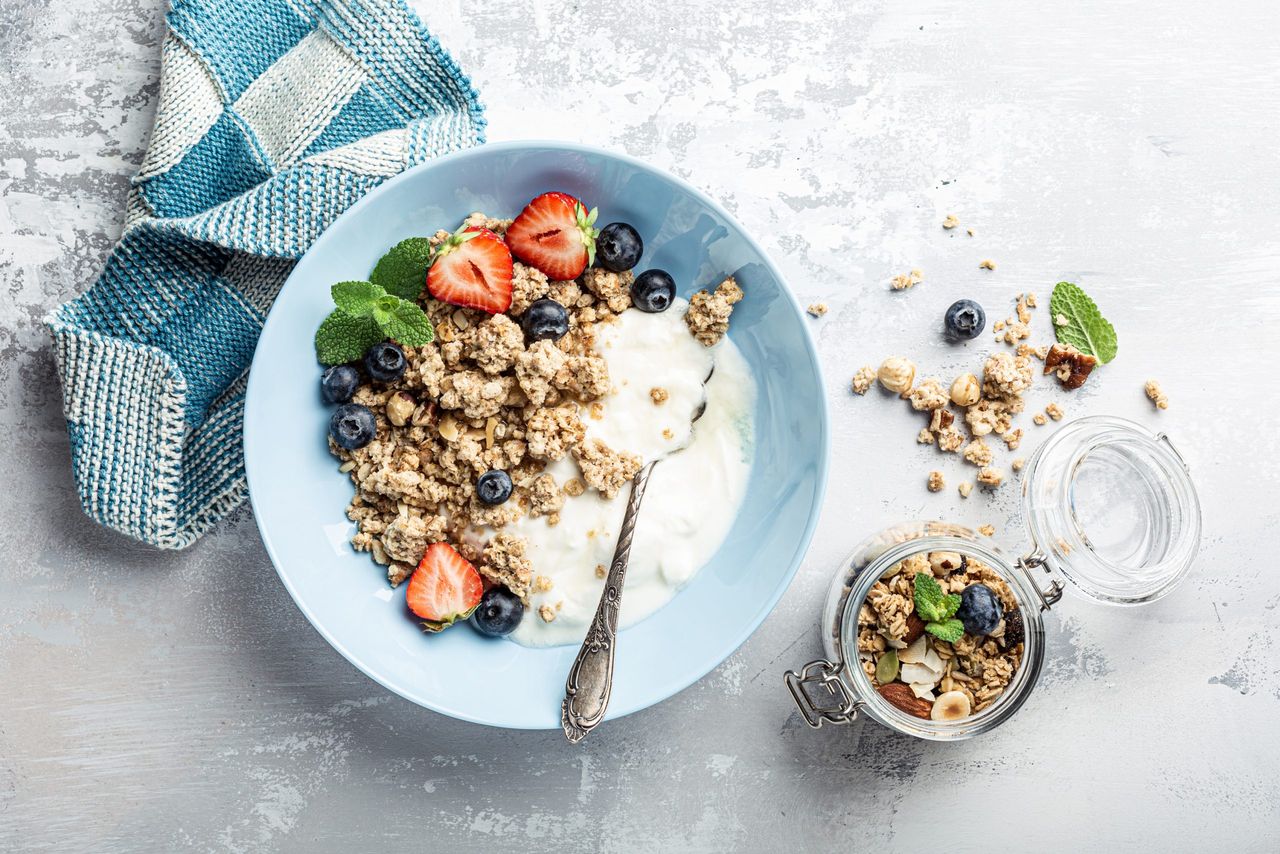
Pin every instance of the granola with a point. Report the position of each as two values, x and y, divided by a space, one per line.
484 397
708 315
921 674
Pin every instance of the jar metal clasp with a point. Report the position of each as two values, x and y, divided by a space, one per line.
834 704
1048 596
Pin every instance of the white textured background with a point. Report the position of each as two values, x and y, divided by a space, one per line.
165 701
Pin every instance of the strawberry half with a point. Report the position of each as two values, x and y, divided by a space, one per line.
556 234
444 588
472 269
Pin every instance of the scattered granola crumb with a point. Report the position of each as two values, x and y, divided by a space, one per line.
950 439
978 453
553 520
1063 546
935 483
658 395
969 231
596 411
574 487
1060 319
1157 394
708 314
950 222
906 281
929 395
987 264
965 489
600 571
1031 299
542 583
1005 377
1054 411
987 530
1012 438
1017 464
668 434
992 477
817 309
547 613
864 379
924 437
1039 419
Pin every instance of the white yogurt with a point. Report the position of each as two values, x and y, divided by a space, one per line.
693 495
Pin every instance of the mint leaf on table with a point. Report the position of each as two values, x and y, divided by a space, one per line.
342 338
948 630
403 270
409 325
1085 328
356 299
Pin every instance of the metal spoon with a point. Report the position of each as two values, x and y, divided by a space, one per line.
590 682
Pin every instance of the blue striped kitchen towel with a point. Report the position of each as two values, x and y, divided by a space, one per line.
274 117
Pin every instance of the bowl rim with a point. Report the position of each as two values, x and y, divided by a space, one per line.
823 418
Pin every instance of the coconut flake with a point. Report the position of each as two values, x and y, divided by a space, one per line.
919 673
923 690
915 653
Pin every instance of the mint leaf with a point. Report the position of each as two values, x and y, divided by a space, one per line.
1086 329
342 338
929 598
409 325
949 630
403 270
384 309
950 605
356 299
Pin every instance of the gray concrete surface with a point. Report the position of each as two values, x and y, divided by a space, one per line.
153 701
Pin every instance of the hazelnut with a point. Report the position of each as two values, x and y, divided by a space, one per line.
965 391
896 374
400 407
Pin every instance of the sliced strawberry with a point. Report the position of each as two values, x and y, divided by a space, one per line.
444 588
556 234
472 269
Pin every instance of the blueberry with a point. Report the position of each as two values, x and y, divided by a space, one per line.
965 320
546 318
618 248
494 487
385 362
338 383
980 610
653 291
498 613
353 426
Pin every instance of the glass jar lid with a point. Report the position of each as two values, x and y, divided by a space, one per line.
1112 508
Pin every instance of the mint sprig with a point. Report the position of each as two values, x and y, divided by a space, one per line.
1085 328
402 271
364 315
937 609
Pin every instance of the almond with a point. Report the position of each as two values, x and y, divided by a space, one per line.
902 697
915 628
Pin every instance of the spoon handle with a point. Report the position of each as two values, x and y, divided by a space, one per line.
586 691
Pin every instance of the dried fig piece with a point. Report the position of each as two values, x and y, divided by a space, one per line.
1070 366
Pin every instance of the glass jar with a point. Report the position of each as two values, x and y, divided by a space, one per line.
1110 511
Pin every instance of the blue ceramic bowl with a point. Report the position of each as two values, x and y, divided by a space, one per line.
299 497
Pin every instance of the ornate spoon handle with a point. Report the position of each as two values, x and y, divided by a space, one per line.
586 692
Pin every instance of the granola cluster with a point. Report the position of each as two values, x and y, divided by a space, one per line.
924 668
